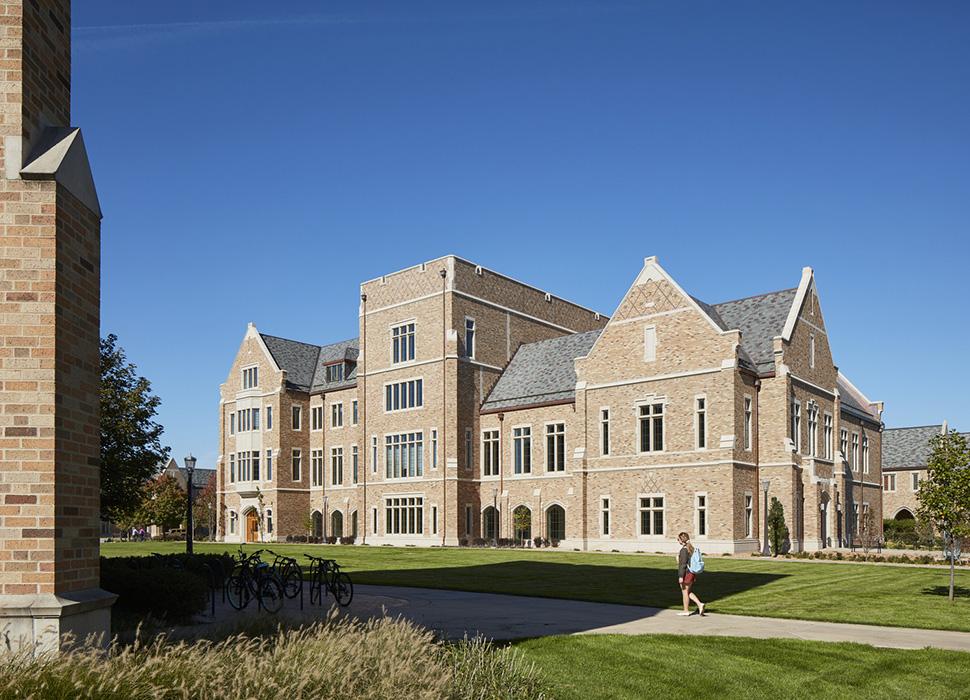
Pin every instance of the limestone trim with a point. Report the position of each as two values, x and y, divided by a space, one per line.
654 378
804 285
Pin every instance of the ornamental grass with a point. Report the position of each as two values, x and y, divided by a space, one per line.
339 658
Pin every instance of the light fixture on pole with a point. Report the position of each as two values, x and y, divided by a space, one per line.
765 550
189 473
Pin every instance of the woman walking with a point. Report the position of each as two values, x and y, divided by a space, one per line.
686 577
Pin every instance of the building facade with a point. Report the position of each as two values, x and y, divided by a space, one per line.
473 407
906 453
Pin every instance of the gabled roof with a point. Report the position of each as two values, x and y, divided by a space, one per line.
760 319
541 372
853 401
909 448
305 363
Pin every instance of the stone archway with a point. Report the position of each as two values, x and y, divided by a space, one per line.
317 518
251 529
337 524
490 523
555 522
904 514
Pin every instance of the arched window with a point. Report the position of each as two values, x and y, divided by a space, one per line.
522 523
233 522
904 514
317 523
490 523
555 523
269 521
336 524
353 524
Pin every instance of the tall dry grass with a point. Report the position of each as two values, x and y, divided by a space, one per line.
344 659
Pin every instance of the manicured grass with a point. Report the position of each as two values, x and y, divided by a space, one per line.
667 666
880 595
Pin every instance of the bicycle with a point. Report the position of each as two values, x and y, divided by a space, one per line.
326 576
289 573
253 578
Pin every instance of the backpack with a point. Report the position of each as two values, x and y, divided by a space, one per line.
696 563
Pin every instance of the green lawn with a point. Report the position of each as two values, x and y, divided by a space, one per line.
881 595
667 666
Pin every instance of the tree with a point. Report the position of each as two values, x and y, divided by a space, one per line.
204 505
867 530
165 502
130 447
777 530
944 496
521 523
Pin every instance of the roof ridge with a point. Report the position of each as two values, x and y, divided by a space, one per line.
756 296
289 340
914 427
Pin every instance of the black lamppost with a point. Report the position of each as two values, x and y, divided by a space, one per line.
766 550
189 472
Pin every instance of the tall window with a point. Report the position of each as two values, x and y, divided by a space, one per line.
889 482
796 424
354 459
827 436
296 463
232 423
604 431
844 444
233 521
297 418
747 422
605 516
402 343
335 372
337 415
469 449
404 515
336 466
232 467
556 447
269 417
250 378
522 449
812 429
255 419
811 351
269 465
865 455
403 395
700 408
651 515
915 476
434 448
855 451
373 457
255 458
468 520
469 337
490 453
555 522
748 514
701 506
316 418
434 520
269 522
355 415
316 467
651 427
404 455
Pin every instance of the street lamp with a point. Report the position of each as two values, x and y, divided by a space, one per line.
190 472
765 550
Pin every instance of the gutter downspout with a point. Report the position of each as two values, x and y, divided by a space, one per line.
362 407
444 412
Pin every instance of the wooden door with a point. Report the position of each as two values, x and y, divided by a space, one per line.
252 527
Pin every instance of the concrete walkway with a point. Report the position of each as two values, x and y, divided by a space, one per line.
455 614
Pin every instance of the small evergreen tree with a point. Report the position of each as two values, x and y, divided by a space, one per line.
944 497
777 530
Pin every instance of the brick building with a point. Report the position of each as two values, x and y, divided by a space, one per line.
473 406
906 453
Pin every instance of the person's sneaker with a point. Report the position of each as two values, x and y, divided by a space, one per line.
684 614
700 609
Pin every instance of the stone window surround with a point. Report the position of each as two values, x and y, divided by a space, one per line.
604 422
512 441
337 415
413 334
639 511
498 453
649 401
404 381
697 417
545 446
606 532
697 514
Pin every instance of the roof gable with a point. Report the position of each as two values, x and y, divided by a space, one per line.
298 360
760 319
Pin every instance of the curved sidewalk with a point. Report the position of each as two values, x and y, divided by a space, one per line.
454 614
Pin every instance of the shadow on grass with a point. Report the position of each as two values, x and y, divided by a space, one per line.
958 591
633 585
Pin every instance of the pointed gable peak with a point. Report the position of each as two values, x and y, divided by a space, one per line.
60 155
806 284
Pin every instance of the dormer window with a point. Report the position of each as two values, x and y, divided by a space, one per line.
335 372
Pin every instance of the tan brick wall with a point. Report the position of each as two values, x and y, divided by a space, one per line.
904 495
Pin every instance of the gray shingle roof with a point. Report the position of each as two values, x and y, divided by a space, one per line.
759 318
904 448
304 363
854 402
541 372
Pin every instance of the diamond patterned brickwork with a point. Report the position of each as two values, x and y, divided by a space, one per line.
654 296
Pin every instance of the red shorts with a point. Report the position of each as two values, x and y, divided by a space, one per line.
689 578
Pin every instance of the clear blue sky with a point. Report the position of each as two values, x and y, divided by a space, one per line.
256 161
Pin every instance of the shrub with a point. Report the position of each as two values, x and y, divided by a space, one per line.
537 541
340 659
479 542
331 539
160 591
463 542
554 543
347 540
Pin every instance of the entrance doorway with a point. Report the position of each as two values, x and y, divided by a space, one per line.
252 526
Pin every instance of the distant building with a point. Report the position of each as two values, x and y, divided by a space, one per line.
905 455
